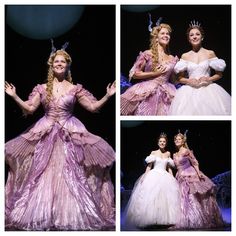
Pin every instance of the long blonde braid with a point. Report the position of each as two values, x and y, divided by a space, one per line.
50 77
154 44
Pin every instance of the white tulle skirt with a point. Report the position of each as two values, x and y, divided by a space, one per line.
209 100
155 200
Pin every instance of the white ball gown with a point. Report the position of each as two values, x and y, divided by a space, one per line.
155 199
207 100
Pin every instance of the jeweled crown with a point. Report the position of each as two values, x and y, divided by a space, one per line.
194 23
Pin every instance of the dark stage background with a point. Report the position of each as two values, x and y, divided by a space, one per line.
209 140
92 48
215 20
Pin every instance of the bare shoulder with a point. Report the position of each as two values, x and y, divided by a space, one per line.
154 152
171 57
185 56
69 85
210 54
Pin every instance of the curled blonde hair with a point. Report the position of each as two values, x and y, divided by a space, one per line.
154 44
50 76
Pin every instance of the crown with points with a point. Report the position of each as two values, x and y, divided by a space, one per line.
185 134
194 23
53 50
162 135
158 22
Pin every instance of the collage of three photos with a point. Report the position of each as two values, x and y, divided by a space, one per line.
64 104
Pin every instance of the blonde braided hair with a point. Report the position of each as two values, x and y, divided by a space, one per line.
154 44
50 77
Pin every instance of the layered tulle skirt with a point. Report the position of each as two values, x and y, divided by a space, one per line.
208 100
155 200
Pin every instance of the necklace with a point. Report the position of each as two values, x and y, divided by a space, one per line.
58 86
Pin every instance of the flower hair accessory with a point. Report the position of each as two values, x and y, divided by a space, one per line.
158 22
194 23
64 46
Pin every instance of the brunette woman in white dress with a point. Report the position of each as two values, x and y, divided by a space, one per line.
155 199
200 95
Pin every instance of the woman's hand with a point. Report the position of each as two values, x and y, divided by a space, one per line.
193 83
111 89
161 69
10 89
204 81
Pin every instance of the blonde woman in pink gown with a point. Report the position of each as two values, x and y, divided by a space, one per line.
199 209
153 94
58 171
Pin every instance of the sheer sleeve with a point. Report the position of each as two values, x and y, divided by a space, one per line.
150 158
192 158
34 99
85 98
217 64
139 64
180 66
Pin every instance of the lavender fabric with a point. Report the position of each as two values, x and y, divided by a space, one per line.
199 208
149 97
59 172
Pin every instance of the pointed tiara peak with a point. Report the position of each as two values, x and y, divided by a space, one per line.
194 23
162 134
53 49
158 22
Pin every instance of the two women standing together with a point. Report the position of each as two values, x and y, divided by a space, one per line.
187 201
156 71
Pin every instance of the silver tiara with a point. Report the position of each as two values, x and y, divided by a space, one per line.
194 23
158 22
163 134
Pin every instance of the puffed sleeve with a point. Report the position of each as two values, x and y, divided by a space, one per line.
217 64
85 98
34 99
150 158
139 64
192 158
180 66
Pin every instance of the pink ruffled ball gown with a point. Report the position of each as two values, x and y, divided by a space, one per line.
152 96
199 209
59 172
